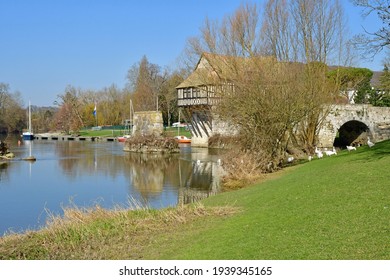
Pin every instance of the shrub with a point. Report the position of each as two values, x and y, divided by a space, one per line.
151 144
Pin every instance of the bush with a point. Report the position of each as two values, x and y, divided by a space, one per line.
243 169
151 144
224 142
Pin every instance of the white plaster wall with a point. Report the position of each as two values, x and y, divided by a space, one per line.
202 142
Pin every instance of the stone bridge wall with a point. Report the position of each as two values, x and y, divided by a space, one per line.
377 119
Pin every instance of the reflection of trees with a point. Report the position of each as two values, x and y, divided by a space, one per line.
80 158
3 167
150 172
147 173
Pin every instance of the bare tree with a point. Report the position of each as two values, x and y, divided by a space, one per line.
277 31
112 108
145 81
12 115
70 110
276 100
168 96
319 26
64 119
373 42
236 35
310 32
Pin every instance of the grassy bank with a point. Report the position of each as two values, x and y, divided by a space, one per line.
173 131
334 208
102 133
101 234
168 131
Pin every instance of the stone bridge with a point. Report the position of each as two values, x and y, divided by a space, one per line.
344 125
352 124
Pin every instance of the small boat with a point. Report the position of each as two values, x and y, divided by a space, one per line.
28 135
123 138
182 139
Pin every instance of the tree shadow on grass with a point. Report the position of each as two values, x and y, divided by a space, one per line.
377 152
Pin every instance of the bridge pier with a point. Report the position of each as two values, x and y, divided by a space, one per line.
200 119
205 124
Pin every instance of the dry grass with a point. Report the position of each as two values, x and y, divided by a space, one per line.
242 169
102 234
222 141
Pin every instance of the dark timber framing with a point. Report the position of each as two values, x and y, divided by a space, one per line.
202 91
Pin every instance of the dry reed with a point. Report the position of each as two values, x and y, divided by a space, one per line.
97 233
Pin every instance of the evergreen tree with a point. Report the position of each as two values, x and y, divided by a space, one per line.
384 89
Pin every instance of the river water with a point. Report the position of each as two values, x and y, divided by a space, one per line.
84 174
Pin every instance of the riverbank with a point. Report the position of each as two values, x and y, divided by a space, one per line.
168 132
332 208
108 135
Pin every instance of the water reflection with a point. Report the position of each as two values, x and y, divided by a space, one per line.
3 173
79 159
146 173
87 172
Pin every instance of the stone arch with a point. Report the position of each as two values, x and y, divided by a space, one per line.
352 133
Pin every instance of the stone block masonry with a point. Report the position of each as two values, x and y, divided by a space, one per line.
148 122
377 120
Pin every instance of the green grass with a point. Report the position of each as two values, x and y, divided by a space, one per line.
172 131
102 133
169 131
333 208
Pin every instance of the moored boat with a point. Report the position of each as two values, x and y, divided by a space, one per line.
28 135
182 139
123 138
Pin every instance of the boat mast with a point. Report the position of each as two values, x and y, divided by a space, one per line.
178 127
131 119
29 116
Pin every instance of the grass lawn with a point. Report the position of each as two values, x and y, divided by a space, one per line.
332 208
102 133
172 131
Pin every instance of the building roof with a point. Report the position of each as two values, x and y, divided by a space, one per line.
211 68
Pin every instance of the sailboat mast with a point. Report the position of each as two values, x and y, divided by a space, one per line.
29 116
131 121
178 127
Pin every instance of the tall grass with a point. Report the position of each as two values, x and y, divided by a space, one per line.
97 233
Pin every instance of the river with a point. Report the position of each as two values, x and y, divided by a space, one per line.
85 174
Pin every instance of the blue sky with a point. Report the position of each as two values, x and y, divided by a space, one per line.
46 45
